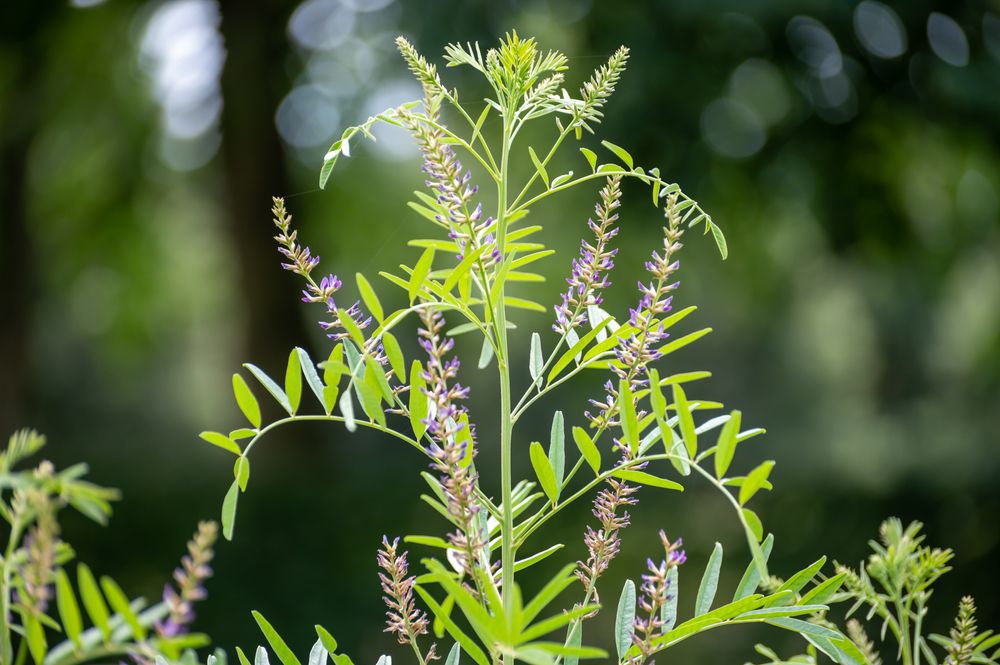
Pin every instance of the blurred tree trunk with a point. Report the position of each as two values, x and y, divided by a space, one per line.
253 84
22 33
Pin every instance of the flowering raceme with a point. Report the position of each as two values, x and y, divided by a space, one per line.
475 277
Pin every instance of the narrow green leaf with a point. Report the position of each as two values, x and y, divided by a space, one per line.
557 447
755 480
293 381
668 613
751 578
543 469
35 635
369 297
371 403
93 601
485 354
241 472
720 240
242 657
119 603
326 638
574 640
591 158
278 645
222 441
587 448
709 582
69 610
625 619
726 445
620 152
309 371
418 400
229 510
420 272
395 355
347 411
629 419
246 401
456 633
462 269
648 479
536 359
456 649
351 327
686 421
754 524
539 166
475 134
271 386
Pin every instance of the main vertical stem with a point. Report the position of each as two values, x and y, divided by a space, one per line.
503 362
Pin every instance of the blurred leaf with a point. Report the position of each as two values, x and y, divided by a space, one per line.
281 649
587 449
246 401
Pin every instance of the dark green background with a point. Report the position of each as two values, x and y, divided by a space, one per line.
858 317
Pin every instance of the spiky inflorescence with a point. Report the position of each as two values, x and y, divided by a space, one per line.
403 618
424 71
190 578
604 543
864 644
656 593
451 184
302 262
589 270
38 570
635 352
599 87
963 634
454 444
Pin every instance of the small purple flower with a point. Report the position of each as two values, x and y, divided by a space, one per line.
588 276
190 578
656 593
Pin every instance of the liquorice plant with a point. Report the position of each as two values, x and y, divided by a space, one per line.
465 601
38 598
895 585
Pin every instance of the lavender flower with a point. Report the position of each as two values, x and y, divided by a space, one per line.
302 262
402 616
40 543
589 274
637 350
603 544
190 578
453 443
656 593
452 186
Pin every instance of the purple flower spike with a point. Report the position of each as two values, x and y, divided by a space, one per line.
589 271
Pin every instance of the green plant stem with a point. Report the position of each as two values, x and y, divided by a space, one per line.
6 648
506 424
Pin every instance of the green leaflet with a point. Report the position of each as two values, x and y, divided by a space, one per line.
281 649
685 421
755 480
557 447
629 420
418 400
228 517
625 619
587 448
293 381
93 601
620 152
369 297
69 610
726 444
246 401
539 167
543 470
420 272
709 582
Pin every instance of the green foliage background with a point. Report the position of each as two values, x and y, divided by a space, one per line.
857 318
